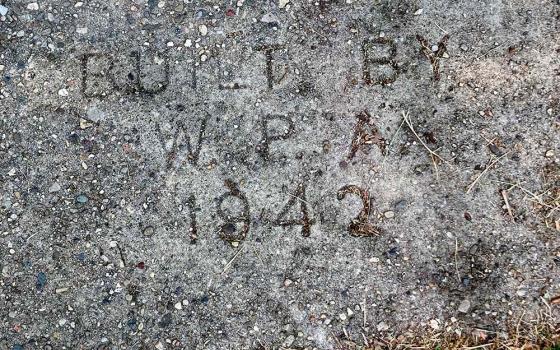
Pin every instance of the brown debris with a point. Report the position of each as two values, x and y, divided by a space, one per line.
363 137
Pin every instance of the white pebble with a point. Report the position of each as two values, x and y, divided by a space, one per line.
33 6
465 306
382 326
62 92
203 29
389 214
3 10
283 3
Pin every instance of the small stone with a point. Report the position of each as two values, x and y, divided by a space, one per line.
82 30
82 199
288 341
41 280
95 115
283 3
349 312
400 205
84 124
269 18
33 6
434 324
63 92
389 214
288 282
521 293
418 12
179 306
549 153
188 43
148 231
61 290
203 29
382 326
3 10
342 317
465 306
55 187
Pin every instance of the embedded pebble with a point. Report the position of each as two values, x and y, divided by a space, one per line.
203 29
465 306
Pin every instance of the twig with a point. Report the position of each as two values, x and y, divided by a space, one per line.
299 199
365 313
536 198
456 253
232 259
365 339
433 155
506 201
478 346
484 171
435 166
517 328
411 127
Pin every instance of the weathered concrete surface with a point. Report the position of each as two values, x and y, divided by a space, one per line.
175 174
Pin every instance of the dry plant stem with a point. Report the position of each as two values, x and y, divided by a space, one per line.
506 201
456 264
535 198
434 161
411 127
232 259
473 184
477 347
433 155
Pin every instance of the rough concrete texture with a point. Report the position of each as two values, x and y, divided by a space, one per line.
264 174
